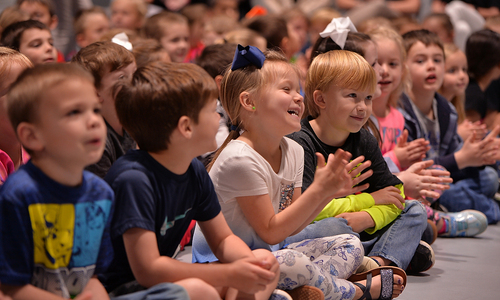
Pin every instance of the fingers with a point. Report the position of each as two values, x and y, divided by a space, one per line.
419 166
403 139
362 177
359 188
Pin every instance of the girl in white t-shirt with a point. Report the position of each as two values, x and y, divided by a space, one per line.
257 175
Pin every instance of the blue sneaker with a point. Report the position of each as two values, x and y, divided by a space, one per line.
466 223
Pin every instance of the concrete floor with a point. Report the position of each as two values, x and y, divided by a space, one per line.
465 269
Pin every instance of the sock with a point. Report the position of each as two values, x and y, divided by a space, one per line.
446 224
432 215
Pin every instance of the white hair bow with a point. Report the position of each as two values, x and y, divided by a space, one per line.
338 29
122 40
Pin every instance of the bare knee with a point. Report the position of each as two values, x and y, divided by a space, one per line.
199 289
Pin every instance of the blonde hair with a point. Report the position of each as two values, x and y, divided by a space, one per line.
140 6
247 79
391 34
341 68
244 37
8 57
458 100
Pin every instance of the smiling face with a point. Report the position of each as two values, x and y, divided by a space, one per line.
392 66
280 104
426 66
455 77
175 40
69 124
38 46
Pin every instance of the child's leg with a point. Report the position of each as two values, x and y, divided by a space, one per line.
324 263
170 291
398 240
198 289
323 228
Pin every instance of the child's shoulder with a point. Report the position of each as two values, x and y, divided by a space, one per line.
22 182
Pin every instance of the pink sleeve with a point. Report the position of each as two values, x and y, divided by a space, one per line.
6 166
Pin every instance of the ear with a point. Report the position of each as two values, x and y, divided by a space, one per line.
29 136
246 101
53 22
184 126
319 99
79 38
218 80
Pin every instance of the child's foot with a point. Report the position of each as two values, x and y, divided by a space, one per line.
380 288
466 223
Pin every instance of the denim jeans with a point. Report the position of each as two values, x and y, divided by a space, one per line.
319 229
398 240
474 193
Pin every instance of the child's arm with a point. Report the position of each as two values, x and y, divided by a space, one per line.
420 182
407 153
30 292
245 273
329 180
95 288
478 153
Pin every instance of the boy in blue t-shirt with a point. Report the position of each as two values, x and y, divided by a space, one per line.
170 110
53 215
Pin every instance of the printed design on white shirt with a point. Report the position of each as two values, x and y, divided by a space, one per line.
286 195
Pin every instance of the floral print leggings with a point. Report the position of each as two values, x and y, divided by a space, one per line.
324 263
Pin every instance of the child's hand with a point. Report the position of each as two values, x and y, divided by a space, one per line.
466 128
476 153
389 195
84 296
248 276
422 182
412 152
359 221
338 178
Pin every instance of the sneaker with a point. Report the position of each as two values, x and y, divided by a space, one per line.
306 292
280 295
422 260
466 223
430 234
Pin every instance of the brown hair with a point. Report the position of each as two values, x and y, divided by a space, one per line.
154 28
339 68
149 50
216 58
272 27
247 79
101 58
194 12
12 34
49 4
10 56
26 94
81 17
424 36
244 37
160 93
140 5
11 15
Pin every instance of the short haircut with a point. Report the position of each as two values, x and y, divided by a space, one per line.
424 36
216 58
140 6
148 50
12 34
154 28
9 56
244 37
272 27
353 43
194 12
101 58
26 94
444 19
11 15
81 17
47 3
343 69
483 52
150 107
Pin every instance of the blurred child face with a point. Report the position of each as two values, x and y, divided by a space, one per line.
108 81
435 25
371 56
205 130
38 11
226 7
196 32
70 125
175 40
38 46
6 80
455 77
426 66
391 63
300 27
124 14
346 110
280 104
95 26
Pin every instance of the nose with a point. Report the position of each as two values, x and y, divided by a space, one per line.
430 64
298 98
95 120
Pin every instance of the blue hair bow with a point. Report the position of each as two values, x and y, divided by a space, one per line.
248 55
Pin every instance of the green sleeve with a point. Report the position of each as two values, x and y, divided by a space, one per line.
383 214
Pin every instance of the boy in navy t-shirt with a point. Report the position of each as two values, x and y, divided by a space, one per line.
53 214
170 110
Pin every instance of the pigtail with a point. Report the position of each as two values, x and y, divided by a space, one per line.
234 134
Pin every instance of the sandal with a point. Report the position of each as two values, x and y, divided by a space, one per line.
386 281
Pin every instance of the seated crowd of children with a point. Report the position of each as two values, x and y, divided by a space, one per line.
288 147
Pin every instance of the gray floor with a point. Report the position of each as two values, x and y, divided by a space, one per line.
465 269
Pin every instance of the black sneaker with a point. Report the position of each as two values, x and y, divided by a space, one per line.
422 260
430 234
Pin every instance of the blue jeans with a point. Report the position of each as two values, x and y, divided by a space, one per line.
319 229
474 193
398 240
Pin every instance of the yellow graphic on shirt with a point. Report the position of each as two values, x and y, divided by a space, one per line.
53 229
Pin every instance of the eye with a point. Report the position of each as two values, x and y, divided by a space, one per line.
369 97
352 95
451 70
438 60
73 112
97 110
286 88
394 64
